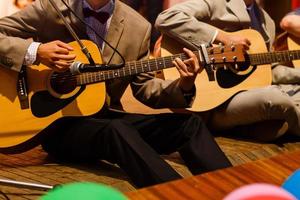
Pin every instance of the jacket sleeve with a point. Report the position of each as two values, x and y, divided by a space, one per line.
16 32
185 22
155 92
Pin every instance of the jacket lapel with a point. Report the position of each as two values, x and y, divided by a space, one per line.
238 8
79 27
114 33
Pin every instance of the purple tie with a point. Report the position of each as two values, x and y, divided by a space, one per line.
102 17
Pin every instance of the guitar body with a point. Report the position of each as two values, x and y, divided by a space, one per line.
293 43
210 94
20 126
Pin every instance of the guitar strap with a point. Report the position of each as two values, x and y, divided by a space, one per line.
22 88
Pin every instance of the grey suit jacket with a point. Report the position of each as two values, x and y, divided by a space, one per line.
128 32
195 21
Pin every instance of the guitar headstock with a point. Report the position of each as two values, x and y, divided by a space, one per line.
221 56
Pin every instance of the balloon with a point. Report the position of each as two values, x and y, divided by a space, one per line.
83 191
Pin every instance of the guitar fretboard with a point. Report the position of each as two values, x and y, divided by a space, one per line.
129 69
271 57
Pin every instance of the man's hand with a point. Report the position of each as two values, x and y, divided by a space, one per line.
188 70
56 55
228 39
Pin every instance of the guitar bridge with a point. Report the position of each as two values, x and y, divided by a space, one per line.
22 89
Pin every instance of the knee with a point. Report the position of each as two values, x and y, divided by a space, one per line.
115 127
275 101
196 119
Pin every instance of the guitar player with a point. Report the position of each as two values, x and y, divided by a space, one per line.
263 113
132 141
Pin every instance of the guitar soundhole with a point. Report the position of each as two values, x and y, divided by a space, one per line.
63 83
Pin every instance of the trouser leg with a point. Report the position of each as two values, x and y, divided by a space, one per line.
257 105
185 133
113 140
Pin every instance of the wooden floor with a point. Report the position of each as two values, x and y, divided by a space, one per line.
218 184
35 165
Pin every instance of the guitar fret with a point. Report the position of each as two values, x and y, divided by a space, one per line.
100 76
156 65
286 57
144 65
130 68
106 76
149 66
84 78
124 72
164 62
161 63
291 56
111 74
135 67
93 80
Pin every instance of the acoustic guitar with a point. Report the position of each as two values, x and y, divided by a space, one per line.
52 95
220 83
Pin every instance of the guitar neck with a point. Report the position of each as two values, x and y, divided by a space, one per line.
272 57
129 69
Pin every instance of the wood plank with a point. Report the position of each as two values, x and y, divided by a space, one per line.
217 184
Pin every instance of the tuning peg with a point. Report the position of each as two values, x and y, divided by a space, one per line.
224 59
234 58
213 60
222 49
232 47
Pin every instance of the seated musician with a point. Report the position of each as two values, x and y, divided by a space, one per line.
133 141
265 113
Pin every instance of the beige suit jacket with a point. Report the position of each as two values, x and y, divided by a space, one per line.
196 21
128 32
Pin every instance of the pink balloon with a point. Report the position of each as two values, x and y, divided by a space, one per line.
260 191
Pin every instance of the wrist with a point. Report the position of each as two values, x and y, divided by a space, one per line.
189 94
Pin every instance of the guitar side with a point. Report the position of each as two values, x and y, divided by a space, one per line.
210 94
19 126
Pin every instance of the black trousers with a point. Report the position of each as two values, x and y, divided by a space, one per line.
135 141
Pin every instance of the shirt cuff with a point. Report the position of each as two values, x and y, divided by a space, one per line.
30 56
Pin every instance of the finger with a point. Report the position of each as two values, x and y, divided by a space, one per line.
61 50
65 45
70 57
248 41
193 61
62 64
181 72
53 67
246 46
181 64
189 53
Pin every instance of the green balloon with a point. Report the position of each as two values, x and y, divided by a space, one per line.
83 191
